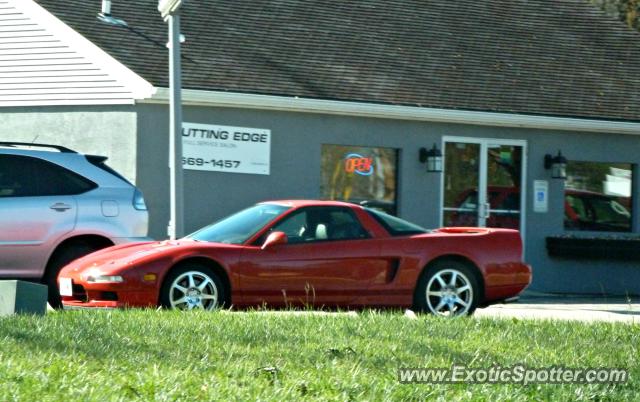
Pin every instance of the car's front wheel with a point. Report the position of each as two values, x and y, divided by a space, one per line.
449 289
192 287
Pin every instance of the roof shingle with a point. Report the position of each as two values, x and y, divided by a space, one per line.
544 57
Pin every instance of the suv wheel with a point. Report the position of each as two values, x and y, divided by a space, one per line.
58 261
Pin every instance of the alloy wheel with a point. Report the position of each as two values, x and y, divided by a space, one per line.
193 290
449 293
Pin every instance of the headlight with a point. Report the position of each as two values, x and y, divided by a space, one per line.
104 279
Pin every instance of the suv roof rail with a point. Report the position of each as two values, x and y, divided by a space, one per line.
28 144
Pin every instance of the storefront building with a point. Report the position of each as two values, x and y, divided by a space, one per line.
260 134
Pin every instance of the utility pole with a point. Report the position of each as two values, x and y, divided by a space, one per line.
170 11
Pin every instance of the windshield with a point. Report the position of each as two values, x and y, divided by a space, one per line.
395 226
239 227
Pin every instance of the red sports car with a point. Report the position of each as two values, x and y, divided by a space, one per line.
319 253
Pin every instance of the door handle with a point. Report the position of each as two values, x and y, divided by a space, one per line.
60 206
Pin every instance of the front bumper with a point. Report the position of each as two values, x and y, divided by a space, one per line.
70 305
108 295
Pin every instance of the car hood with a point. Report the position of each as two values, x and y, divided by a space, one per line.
122 257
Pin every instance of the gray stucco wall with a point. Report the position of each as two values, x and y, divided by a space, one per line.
98 130
295 162
295 173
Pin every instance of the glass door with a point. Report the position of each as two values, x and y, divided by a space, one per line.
482 183
504 178
461 182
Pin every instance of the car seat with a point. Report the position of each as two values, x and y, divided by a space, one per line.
321 232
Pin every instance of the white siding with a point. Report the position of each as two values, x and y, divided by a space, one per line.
45 62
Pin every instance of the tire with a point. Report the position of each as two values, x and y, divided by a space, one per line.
58 261
192 287
437 295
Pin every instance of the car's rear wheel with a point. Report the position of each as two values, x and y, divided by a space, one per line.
192 287
449 289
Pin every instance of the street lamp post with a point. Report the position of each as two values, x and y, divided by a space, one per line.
170 11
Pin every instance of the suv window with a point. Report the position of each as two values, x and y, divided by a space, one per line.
24 176
99 161
321 223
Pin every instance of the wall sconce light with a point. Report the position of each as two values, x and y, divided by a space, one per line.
557 164
433 158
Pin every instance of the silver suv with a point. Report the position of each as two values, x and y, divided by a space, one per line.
57 205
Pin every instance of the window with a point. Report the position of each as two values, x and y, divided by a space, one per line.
317 224
241 226
364 175
294 227
396 226
598 196
23 176
99 162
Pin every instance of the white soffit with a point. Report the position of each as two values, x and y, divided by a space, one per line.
45 62
282 103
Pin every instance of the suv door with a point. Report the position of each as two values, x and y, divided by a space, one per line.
37 208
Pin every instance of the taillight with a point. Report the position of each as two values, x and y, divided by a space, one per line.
138 201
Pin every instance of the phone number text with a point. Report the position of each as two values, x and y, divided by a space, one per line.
219 163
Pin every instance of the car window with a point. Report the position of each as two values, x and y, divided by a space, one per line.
395 226
23 176
241 226
320 224
99 162
294 226
343 225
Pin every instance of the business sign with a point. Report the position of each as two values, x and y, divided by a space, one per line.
225 148
359 174
540 196
358 164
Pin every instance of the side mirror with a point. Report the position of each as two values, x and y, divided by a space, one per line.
274 239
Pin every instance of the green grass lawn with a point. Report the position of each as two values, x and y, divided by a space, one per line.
161 355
